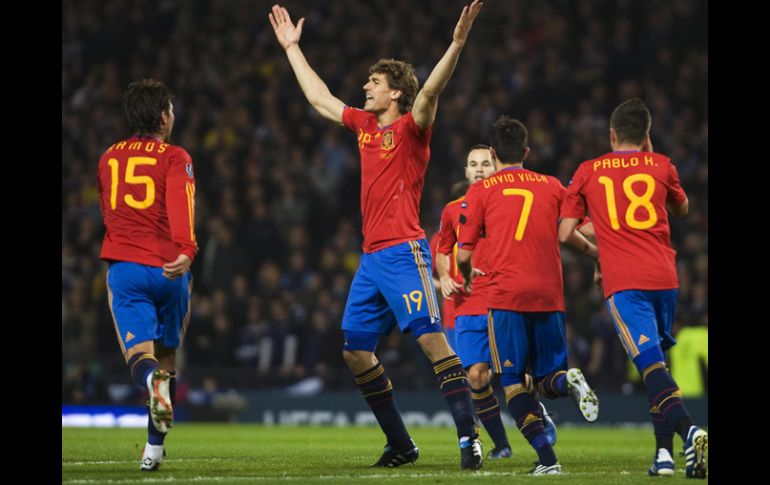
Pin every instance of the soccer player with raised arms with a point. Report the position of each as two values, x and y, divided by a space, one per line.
518 211
146 195
627 192
393 283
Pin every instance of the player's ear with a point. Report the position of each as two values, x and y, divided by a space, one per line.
395 94
526 154
613 136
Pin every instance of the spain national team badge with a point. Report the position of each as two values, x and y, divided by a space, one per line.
387 140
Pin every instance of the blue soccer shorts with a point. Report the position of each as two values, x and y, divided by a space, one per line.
147 306
643 319
472 339
392 286
521 339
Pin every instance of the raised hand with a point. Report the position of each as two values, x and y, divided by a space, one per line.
285 31
469 14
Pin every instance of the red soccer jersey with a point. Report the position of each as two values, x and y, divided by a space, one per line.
626 194
447 304
518 209
394 159
146 195
465 304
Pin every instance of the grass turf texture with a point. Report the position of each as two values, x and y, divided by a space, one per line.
245 453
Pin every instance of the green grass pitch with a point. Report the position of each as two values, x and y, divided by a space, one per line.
246 453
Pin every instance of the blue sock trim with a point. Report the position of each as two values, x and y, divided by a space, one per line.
141 365
355 340
423 325
649 357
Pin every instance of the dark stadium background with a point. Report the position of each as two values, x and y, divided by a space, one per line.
278 218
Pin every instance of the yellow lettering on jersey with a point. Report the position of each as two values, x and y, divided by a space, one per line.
619 163
135 145
150 146
363 138
162 147
120 146
533 177
648 161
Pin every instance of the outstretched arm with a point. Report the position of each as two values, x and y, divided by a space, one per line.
424 109
316 91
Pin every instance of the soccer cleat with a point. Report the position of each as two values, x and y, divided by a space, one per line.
662 464
161 412
539 469
548 426
695 447
152 457
586 399
471 454
391 458
500 452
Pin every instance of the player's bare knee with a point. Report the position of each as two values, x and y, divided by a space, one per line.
435 346
359 360
478 375
140 348
349 357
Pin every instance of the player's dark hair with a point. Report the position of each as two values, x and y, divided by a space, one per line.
143 103
400 76
631 121
477 146
508 136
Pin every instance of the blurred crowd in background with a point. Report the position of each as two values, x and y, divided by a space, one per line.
278 217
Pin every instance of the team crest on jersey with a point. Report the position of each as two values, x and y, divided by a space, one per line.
464 205
387 140
188 168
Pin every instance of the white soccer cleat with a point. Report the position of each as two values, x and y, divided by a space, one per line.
695 447
539 469
586 399
662 464
161 412
152 457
